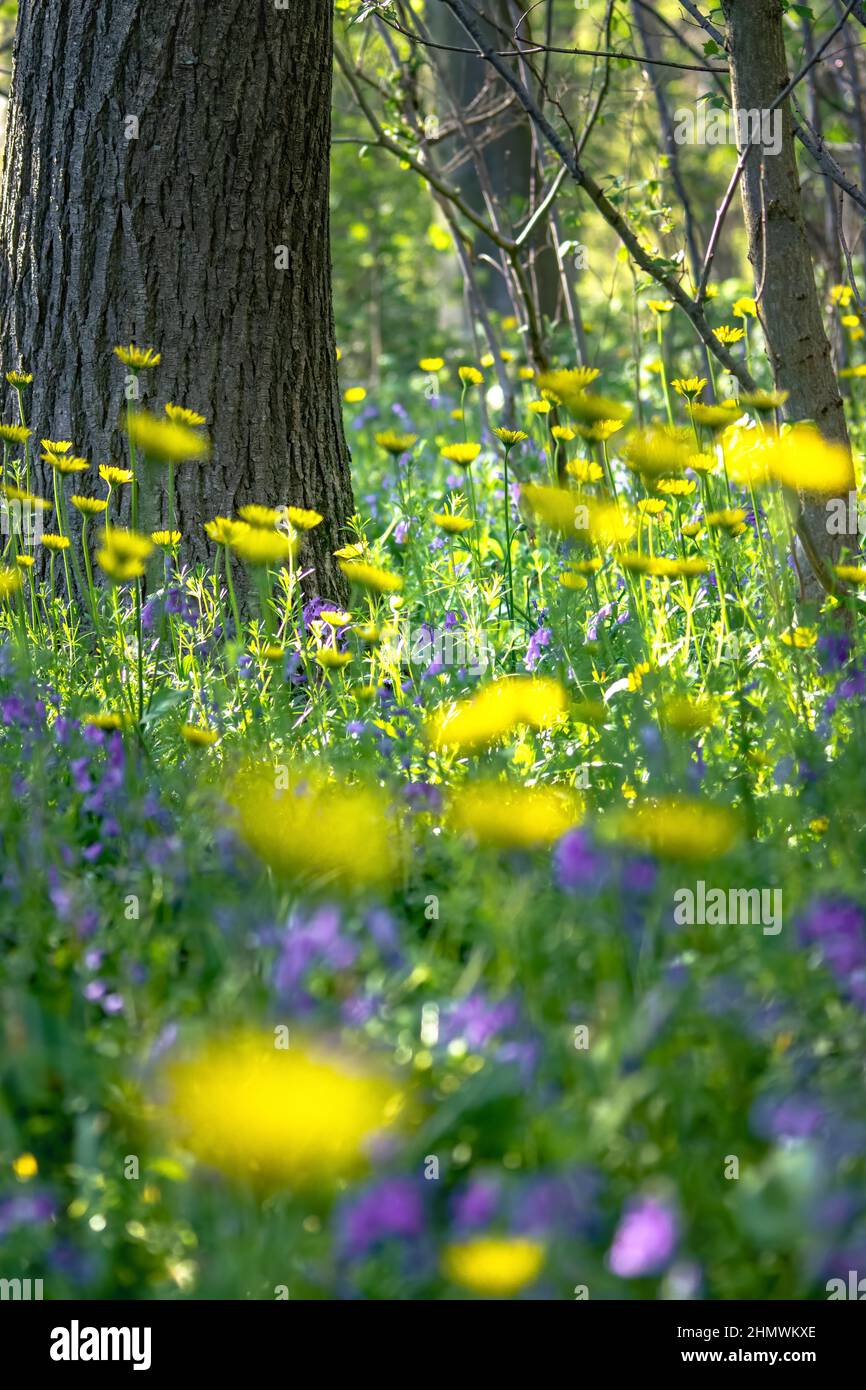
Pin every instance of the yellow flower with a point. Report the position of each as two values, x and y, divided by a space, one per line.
222 529
495 710
569 580
328 832
716 417
496 1265
302 518
662 568
25 1167
354 395
24 562
19 494
55 542
452 523
90 506
841 295
10 582
689 716
123 554
601 431
764 401
470 376
114 476
658 450
562 433
350 552
660 306
121 571
591 566
800 637
56 446
394 443
19 379
852 574
257 515
128 545
540 407
464 455
675 487
166 539
290 1116
584 470
677 828
108 720
574 515
513 817
690 387
526 373
371 577
332 660
62 463
729 335
181 416
198 736
567 384
137 358
652 506
15 434
730 519
745 308
802 458
336 617
510 437
165 440
259 548
431 364
850 321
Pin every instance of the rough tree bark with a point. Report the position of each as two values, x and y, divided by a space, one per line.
169 232
789 309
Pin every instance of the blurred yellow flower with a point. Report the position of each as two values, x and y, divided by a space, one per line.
371 577
307 828
496 1265
495 710
676 828
164 440
293 1116
394 443
516 817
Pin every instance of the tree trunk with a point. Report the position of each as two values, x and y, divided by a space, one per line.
166 182
789 309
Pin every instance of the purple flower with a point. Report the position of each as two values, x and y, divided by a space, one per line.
390 1210
318 940
577 866
26 1210
788 1117
837 927
645 1239
538 641
475 1204
477 1021
401 533
423 796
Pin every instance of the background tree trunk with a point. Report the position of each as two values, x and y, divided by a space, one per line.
172 239
789 309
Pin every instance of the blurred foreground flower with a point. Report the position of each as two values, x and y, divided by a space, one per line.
496 1265
645 1239
514 817
312 828
677 828
293 1116
495 710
